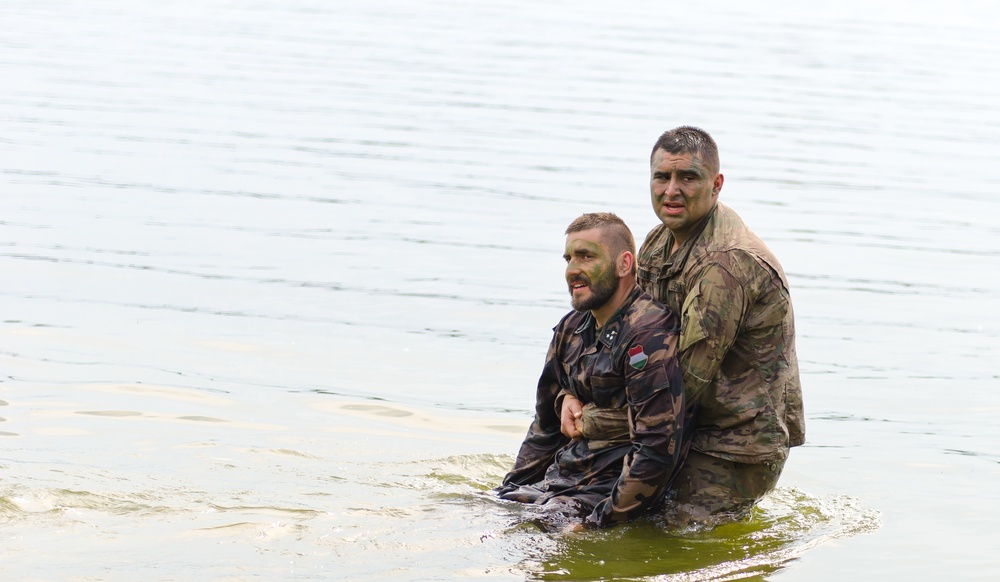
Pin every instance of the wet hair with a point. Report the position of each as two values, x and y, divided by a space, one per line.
614 232
689 140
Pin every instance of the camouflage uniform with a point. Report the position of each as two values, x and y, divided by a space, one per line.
628 377
737 350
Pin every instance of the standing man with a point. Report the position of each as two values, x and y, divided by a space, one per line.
737 344
616 356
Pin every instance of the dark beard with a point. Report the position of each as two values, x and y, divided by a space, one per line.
601 291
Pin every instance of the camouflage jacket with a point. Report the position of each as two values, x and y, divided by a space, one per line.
737 336
629 369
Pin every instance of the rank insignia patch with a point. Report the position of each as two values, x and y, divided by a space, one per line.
637 358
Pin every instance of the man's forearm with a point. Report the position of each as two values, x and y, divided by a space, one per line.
656 430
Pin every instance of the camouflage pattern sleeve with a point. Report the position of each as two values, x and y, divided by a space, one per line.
656 407
544 437
711 316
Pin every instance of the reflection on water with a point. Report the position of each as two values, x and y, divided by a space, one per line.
785 525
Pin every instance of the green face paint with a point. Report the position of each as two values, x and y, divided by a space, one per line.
590 272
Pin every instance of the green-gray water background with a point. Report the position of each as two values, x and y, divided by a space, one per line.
277 277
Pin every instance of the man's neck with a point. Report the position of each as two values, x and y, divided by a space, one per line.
681 237
603 313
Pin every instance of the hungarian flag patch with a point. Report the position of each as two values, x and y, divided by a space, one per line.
637 358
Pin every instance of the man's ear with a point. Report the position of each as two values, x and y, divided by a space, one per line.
625 262
717 184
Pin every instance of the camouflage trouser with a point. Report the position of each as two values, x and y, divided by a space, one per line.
713 490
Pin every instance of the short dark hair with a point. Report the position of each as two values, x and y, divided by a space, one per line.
689 140
613 229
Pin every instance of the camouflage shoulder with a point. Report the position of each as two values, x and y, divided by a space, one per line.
752 272
570 321
654 238
647 312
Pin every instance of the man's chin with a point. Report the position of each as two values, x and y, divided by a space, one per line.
672 221
587 304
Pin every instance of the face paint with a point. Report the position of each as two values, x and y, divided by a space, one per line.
590 270
601 285
683 191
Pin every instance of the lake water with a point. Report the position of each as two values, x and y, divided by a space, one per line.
277 278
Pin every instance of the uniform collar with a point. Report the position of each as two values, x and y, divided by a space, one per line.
675 262
610 332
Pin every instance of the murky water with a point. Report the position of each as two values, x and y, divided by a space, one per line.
278 277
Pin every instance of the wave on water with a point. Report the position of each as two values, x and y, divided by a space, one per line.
783 526
412 520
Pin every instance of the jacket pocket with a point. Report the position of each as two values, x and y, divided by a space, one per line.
692 322
609 391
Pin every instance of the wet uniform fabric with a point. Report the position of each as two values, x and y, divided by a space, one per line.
628 377
709 490
737 349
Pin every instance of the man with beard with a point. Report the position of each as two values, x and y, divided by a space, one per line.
616 355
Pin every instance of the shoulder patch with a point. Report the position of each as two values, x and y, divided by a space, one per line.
637 358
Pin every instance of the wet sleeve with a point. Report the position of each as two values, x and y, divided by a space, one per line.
544 436
656 406
711 317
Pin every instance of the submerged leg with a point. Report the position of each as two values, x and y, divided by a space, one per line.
713 490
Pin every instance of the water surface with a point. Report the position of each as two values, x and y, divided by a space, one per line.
278 278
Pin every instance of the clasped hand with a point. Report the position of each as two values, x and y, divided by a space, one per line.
570 417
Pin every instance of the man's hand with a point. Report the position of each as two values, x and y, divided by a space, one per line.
569 417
